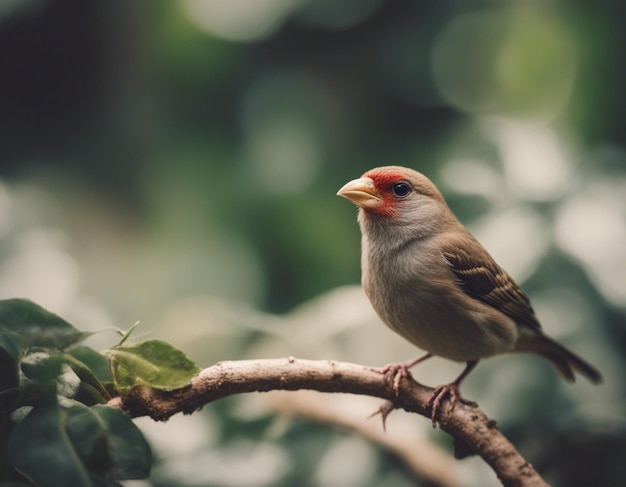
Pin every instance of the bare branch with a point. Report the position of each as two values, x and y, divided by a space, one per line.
468 425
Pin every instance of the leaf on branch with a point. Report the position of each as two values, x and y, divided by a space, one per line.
47 385
46 369
152 363
92 369
95 362
78 445
42 367
27 324
9 354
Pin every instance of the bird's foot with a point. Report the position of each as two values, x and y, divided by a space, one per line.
384 410
394 373
439 394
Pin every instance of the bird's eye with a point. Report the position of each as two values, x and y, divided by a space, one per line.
401 189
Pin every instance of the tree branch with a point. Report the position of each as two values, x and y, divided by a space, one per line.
468 425
422 458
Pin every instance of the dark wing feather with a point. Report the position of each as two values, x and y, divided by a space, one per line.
483 279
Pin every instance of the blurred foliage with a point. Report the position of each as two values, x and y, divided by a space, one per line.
176 162
55 430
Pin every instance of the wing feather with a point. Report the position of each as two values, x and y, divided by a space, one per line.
483 279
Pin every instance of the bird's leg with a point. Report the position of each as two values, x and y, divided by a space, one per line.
393 375
395 372
451 390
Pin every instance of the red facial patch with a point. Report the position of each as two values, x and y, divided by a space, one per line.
384 182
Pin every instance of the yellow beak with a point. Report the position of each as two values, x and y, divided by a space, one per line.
361 192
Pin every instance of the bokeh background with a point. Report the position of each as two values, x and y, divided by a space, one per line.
177 163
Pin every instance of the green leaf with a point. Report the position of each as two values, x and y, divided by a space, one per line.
40 380
7 472
40 448
8 402
153 363
97 363
92 370
78 445
47 370
42 367
9 356
130 453
90 395
30 325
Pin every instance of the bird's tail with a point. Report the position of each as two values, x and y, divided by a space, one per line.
564 361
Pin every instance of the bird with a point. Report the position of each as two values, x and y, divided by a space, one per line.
431 281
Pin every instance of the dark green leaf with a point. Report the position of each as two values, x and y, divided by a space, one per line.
40 382
78 445
8 402
40 448
94 361
9 356
7 472
42 367
86 374
153 363
90 395
32 326
130 453
29 394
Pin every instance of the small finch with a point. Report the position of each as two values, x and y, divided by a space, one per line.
433 283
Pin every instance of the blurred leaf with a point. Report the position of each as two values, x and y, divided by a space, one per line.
42 367
30 325
9 353
29 394
94 361
41 449
7 472
91 367
153 363
8 402
79 445
90 395
44 378
130 453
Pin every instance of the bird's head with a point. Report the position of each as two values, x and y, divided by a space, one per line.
394 192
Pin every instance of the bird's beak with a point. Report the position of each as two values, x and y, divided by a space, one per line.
362 192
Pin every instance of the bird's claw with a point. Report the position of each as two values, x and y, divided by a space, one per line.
384 410
439 394
393 374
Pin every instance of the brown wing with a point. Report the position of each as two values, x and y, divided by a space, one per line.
481 278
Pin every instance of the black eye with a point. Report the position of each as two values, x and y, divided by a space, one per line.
401 189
